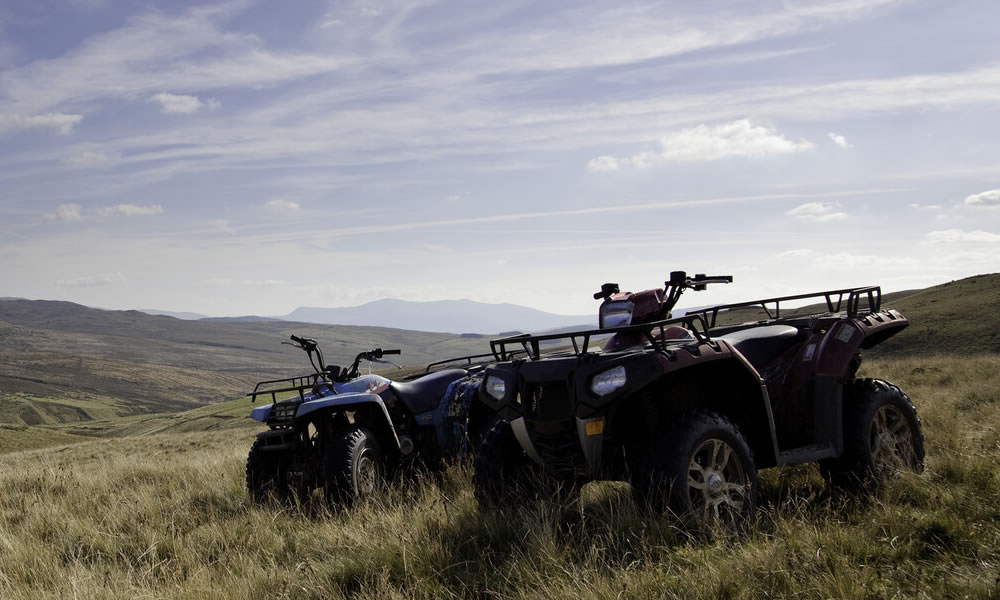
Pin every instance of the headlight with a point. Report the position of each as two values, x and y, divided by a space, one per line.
608 381
616 314
495 387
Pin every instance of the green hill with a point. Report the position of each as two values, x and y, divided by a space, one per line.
62 362
959 317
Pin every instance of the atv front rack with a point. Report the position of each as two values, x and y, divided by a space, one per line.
849 300
299 384
655 333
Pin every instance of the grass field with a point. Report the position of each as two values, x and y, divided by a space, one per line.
166 515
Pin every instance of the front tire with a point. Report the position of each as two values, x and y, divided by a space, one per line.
882 436
265 474
502 472
701 471
354 465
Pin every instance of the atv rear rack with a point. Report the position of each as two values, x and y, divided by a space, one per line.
835 303
581 340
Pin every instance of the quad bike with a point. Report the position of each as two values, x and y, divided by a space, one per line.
346 432
687 409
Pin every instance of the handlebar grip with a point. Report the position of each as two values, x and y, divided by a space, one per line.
297 339
397 351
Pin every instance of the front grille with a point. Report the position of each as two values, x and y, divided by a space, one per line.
558 445
547 401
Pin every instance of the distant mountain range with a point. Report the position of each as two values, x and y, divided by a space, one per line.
447 316
451 316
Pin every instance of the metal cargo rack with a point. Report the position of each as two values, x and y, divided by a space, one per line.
299 384
581 340
837 301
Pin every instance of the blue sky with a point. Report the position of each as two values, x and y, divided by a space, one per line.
251 157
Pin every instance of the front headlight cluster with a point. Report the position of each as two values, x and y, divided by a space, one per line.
495 387
604 383
283 411
616 314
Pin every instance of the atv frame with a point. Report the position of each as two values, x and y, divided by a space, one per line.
773 392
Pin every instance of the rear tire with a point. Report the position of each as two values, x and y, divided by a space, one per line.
265 475
882 436
702 471
353 465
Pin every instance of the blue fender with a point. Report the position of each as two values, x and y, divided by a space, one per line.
342 401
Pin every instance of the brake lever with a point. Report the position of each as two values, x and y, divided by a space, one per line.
388 362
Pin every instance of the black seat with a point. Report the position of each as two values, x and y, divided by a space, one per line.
761 345
424 394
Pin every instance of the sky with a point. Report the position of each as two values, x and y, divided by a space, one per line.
250 157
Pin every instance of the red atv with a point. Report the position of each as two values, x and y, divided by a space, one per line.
687 409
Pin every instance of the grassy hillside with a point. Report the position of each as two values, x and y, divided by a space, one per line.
61 362
167 516
960 317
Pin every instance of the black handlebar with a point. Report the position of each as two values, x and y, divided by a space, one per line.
397 351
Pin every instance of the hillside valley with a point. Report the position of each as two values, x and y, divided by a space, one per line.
65 363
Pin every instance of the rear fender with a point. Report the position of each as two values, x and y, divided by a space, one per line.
845 338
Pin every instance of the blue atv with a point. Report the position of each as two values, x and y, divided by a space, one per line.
346 433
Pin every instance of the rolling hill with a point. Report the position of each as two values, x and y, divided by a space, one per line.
454 316
65 363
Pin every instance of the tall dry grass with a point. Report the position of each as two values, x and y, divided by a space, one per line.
167 516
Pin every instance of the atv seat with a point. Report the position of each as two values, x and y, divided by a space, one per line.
424 394
761 345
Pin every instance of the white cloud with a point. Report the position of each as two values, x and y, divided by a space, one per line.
221 226
989 198
603 164
64 213
92 280
283 204
817 211
62 123
132 210
839 140
953 236
928 207
796 253
740 138
94 159
182 104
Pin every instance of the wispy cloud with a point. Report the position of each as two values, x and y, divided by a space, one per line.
989 198
94 159
182 104
603 164
839 140
822 212
131 210
283 204
952 236
92 280
63 213
61 123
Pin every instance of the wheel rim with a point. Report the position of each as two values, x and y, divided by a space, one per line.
717 483
891 442
368 474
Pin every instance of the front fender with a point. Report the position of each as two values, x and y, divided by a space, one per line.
338 401
347 402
